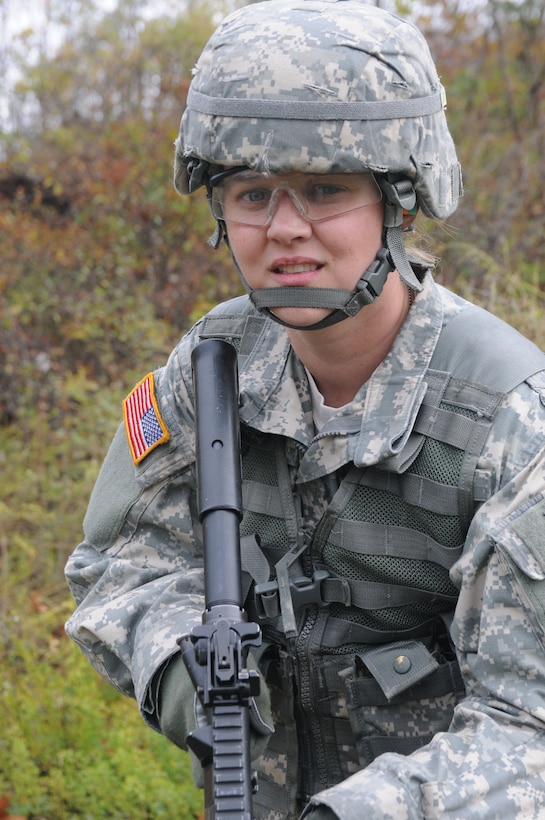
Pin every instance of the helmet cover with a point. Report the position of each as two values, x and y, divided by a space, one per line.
319 86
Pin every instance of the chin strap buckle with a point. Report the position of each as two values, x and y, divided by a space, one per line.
371 282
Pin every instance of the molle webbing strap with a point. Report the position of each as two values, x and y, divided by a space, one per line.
446 426
253 559
339 631
263 499
417 490
373 595
370 538
295 536
315 110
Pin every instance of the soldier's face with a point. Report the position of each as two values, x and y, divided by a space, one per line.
293 251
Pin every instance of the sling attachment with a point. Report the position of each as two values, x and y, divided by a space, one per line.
304 591
321 590
284 595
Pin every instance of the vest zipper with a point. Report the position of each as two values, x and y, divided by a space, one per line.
309 733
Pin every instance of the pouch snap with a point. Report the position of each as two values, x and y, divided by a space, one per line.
402 664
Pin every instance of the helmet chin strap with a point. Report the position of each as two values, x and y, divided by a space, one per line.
399 197
342 303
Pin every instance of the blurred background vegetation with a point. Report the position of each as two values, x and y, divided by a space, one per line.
103 267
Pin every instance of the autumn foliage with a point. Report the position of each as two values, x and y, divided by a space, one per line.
104 266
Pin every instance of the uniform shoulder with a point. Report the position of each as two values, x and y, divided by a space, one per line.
478 346
238 322
238 306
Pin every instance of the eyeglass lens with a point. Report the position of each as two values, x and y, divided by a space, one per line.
251 199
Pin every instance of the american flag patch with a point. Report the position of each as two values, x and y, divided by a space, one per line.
143 423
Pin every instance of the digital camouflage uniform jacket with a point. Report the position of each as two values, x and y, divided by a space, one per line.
137 576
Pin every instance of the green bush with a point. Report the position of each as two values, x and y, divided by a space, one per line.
70 745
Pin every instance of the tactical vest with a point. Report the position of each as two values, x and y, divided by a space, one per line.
355 612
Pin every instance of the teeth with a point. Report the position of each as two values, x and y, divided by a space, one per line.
296 268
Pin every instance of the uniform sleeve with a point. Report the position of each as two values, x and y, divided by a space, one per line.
137 576
491 762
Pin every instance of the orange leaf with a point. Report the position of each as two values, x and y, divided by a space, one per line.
4 806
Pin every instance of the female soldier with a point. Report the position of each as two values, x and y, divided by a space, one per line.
392 437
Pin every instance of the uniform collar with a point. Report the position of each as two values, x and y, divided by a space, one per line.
376 426
274 391
397 388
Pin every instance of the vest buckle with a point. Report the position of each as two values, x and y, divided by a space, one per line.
304 592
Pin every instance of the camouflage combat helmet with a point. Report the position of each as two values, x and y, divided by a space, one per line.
324 86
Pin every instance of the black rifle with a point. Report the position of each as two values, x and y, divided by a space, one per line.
215 652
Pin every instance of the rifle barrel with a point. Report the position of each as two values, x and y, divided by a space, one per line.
215 377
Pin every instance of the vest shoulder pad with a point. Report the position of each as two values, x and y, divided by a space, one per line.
478 347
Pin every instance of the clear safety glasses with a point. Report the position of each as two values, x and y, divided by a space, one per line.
249 198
